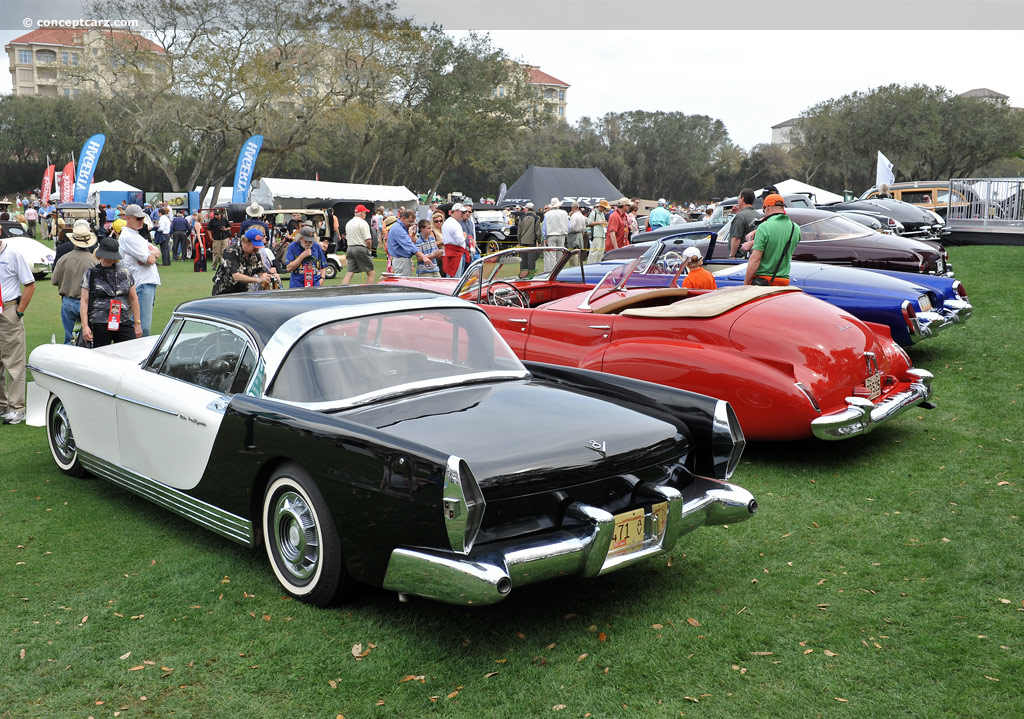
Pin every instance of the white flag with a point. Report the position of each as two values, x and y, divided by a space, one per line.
883 172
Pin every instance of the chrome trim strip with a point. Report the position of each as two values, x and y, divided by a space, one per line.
206 515
48 373
489 573
145 404
404 389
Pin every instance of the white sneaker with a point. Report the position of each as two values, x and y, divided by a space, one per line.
13 417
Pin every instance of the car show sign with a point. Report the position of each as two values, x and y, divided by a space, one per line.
87 160
244 169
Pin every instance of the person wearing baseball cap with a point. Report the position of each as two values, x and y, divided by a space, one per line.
660 216
453 237
241 266
360 246
697 278
773 244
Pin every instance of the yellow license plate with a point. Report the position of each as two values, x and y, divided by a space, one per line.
629 529
659 512
874 385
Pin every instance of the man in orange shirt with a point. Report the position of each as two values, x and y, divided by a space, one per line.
697 277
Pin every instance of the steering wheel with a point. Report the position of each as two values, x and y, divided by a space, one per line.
214 368
510 297
668 263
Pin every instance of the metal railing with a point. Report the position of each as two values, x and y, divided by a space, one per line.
986 204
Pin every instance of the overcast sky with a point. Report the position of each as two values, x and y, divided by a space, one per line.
744 79
750 79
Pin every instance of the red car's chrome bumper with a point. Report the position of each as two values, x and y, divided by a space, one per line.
862 415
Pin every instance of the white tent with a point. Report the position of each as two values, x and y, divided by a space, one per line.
271 190
820 196
95 188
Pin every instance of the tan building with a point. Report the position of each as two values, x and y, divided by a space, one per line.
549 89
782 134
49 62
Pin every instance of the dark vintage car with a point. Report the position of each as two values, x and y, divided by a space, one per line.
828 238
917 222
339 429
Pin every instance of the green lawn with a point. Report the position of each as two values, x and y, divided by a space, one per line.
882 577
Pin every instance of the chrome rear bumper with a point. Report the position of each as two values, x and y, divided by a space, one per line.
862 415
489 572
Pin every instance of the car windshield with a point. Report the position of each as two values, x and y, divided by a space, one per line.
509 266
619 278
489 216
835 227
365 359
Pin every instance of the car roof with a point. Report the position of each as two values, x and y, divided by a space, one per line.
264 312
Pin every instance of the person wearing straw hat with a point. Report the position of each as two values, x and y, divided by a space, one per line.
254 218
68 272
598 222
109 307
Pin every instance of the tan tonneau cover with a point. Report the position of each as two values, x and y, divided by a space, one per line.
711 304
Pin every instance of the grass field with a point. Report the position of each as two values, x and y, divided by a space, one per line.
883 577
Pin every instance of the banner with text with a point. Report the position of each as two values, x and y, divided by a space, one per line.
67 182
87 165
47 186
244 169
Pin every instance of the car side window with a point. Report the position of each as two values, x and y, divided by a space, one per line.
165 344
205 355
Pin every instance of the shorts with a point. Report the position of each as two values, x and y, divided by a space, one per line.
358 259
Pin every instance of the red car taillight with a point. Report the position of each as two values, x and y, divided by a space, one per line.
910 317
960 289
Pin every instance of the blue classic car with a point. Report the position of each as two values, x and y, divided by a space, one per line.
914 306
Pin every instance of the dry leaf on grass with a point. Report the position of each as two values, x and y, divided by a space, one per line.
657 626
580 658
992 679
488 675
601 636
380 702
695 700
413 678
761 654
333 684
808 651
840 699
138 668
693 622
558 707
830 653
21 654
453 694
551 645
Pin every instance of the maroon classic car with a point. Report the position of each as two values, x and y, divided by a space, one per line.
826 238
790 365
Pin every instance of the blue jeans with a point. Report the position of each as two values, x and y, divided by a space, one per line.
69 315
147 295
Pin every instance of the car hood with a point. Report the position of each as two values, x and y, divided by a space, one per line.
824 345
527 432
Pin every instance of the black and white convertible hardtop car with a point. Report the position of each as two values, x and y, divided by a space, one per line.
390 436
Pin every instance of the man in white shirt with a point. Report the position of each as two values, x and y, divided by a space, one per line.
453 236
360 245
140 259
556 230
16 287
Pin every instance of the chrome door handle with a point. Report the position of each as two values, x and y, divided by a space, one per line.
600 327
520 320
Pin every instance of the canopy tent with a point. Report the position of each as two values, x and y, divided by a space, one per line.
206 195
586 185
795 187
273 191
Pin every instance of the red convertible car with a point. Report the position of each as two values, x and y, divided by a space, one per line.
790 365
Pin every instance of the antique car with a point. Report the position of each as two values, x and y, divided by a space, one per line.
337 428
918 222
913 306
790 365
935 195
40 257
826 237
493 231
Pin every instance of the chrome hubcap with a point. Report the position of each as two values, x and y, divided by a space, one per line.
295 535
63 440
